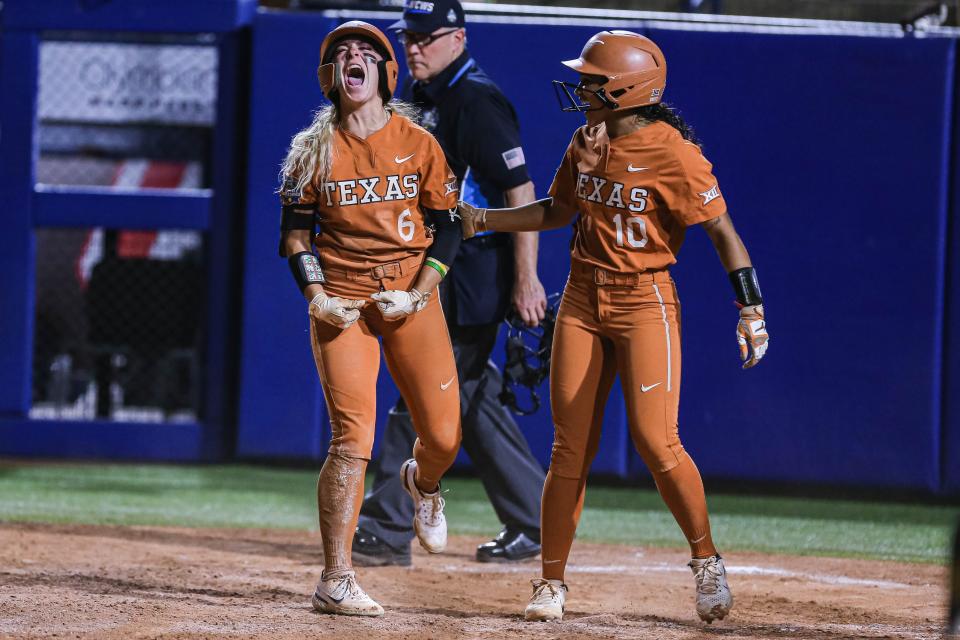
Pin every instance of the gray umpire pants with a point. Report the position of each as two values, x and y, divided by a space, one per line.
511 476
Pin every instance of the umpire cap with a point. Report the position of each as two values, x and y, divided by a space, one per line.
426 16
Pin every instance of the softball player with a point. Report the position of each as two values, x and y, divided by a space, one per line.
637 179
382 192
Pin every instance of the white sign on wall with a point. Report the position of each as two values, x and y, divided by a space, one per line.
102 82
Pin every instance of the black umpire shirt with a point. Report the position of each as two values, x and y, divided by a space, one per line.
478 130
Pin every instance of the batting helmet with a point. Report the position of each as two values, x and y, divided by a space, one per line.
328 72
633 66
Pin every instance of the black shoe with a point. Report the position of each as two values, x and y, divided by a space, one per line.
371 551
508 546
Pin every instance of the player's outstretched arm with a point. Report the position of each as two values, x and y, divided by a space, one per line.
541 215
752 335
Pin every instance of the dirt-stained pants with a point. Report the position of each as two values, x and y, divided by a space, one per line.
609 324
420 359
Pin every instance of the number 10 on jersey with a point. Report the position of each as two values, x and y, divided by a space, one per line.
636 231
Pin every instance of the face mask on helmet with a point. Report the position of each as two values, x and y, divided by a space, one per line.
632 69
568 95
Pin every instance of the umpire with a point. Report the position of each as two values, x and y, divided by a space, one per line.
478 130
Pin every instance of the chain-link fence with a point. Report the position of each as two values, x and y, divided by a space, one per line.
118 325
119 312
126 115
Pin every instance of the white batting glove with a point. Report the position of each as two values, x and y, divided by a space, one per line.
395 304
752 335
340 312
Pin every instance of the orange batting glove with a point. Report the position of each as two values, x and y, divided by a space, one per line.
752 335
472 220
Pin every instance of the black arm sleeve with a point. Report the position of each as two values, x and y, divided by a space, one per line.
294 217
446 235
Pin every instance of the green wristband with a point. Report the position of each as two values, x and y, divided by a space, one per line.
439 266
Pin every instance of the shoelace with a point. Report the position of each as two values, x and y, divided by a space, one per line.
544 592
348 585
433 507
708 577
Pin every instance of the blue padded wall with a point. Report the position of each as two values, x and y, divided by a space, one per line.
838 188
808 161
819 150
18 78
950 455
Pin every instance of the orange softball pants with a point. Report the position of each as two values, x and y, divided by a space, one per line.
628 324
418 354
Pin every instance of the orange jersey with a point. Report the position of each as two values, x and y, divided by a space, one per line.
636 195
370 206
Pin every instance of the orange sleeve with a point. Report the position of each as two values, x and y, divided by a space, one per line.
563 189
290 195
438 184
689 188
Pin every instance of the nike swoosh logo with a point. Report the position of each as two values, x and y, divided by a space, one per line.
633 169
330 597
400 160
644 388
443 387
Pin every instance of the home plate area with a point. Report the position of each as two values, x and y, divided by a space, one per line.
133 582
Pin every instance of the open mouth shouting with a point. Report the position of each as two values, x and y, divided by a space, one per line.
357 61
354 75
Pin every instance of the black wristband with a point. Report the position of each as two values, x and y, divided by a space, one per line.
446 235
746 287
306 269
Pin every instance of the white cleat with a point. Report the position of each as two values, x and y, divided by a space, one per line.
714 599
342 595
428 519
547 600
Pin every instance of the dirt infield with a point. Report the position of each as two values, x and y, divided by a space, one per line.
148 582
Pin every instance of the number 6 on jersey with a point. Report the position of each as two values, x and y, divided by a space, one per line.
405 226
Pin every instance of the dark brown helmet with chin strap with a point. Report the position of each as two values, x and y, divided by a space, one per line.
328 72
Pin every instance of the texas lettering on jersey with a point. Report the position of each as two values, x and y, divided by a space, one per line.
344 193
636 195
610 193
370 208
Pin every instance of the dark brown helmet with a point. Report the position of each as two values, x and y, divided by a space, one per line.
328 71
633 65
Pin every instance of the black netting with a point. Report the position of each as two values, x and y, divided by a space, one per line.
119 312
118 326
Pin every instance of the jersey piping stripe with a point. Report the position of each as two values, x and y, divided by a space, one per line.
666 332
460 73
